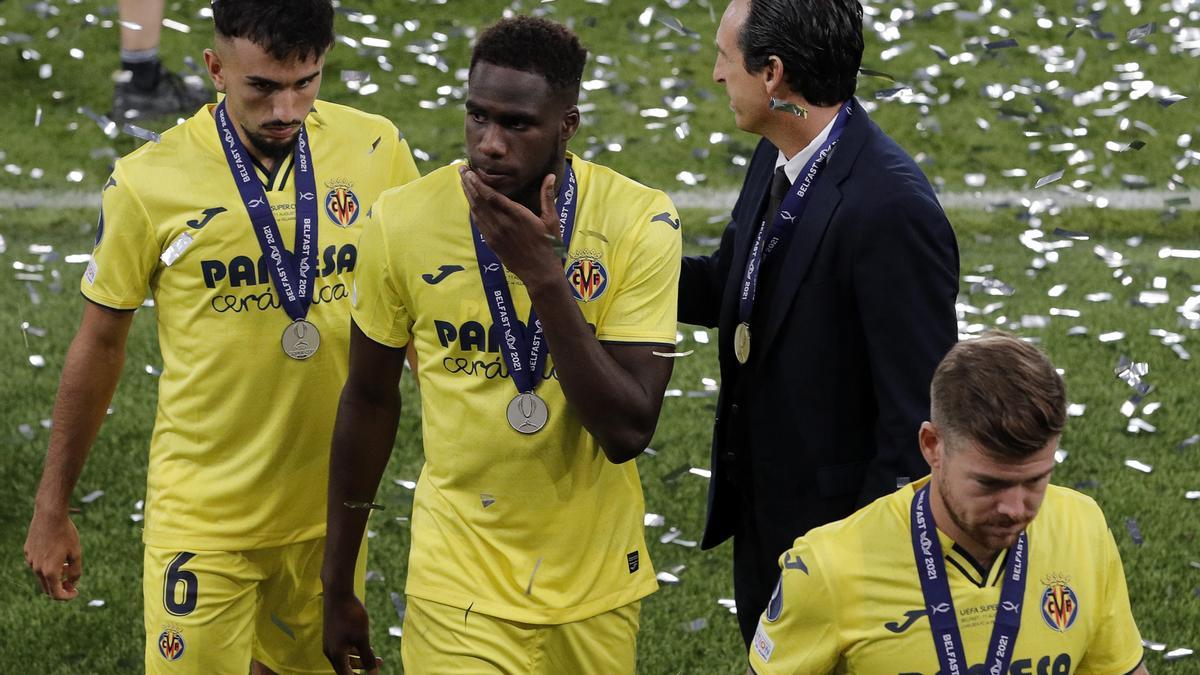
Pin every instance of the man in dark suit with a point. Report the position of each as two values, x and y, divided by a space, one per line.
833 290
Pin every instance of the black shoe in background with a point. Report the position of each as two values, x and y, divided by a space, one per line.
171 95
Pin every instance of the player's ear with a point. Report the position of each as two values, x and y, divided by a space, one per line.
570 124
932 442
216 73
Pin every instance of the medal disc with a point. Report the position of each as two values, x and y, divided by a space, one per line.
300 340
741 342
527 413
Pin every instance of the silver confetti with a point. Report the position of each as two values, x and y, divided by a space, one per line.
1135 532
398 604
1140 32
176 249
674 355
667 578
1137 465
139 132
1046 180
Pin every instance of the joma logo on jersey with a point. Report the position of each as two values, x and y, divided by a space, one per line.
588 278
171 644
244 271
1060 605
341 204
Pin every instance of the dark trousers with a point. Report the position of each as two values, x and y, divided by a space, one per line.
755 570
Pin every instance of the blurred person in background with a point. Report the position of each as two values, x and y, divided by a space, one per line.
145 89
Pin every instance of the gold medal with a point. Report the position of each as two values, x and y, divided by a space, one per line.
741 342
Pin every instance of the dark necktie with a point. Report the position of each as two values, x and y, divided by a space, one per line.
779 189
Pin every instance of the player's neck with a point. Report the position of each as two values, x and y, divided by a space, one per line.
532 199
941 516
268 162
792 133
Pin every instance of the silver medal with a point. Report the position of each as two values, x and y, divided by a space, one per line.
300 340
527 413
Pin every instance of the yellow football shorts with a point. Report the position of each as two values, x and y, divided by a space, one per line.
211 612
443 640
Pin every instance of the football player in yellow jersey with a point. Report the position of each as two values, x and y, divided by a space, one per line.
982 567
243 225
528 553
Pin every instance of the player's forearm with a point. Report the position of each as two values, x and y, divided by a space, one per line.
89 378
362 444
612 404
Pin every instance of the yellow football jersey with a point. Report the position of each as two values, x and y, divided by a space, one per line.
850 601
240 451
537 528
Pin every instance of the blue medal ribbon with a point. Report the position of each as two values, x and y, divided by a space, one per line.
931 569
522 352
293 273
783 223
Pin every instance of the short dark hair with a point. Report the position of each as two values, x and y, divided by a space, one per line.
1000 392
535 45
820 43
286 29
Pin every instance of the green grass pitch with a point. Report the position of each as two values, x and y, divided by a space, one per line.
964 127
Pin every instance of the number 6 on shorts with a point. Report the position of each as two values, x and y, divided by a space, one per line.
177 601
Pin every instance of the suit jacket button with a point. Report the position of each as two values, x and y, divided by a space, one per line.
733 409
729 456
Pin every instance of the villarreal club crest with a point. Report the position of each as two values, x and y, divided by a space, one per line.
171 644
1060 605
587 276
341 204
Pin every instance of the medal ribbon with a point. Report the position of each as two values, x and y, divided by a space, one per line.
783 223
292 273
931 568
522 353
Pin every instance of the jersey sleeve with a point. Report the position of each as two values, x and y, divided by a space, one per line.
126 251
798 632
646 301
404 169
1116 646
376 303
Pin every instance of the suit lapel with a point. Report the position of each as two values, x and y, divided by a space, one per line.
826 195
